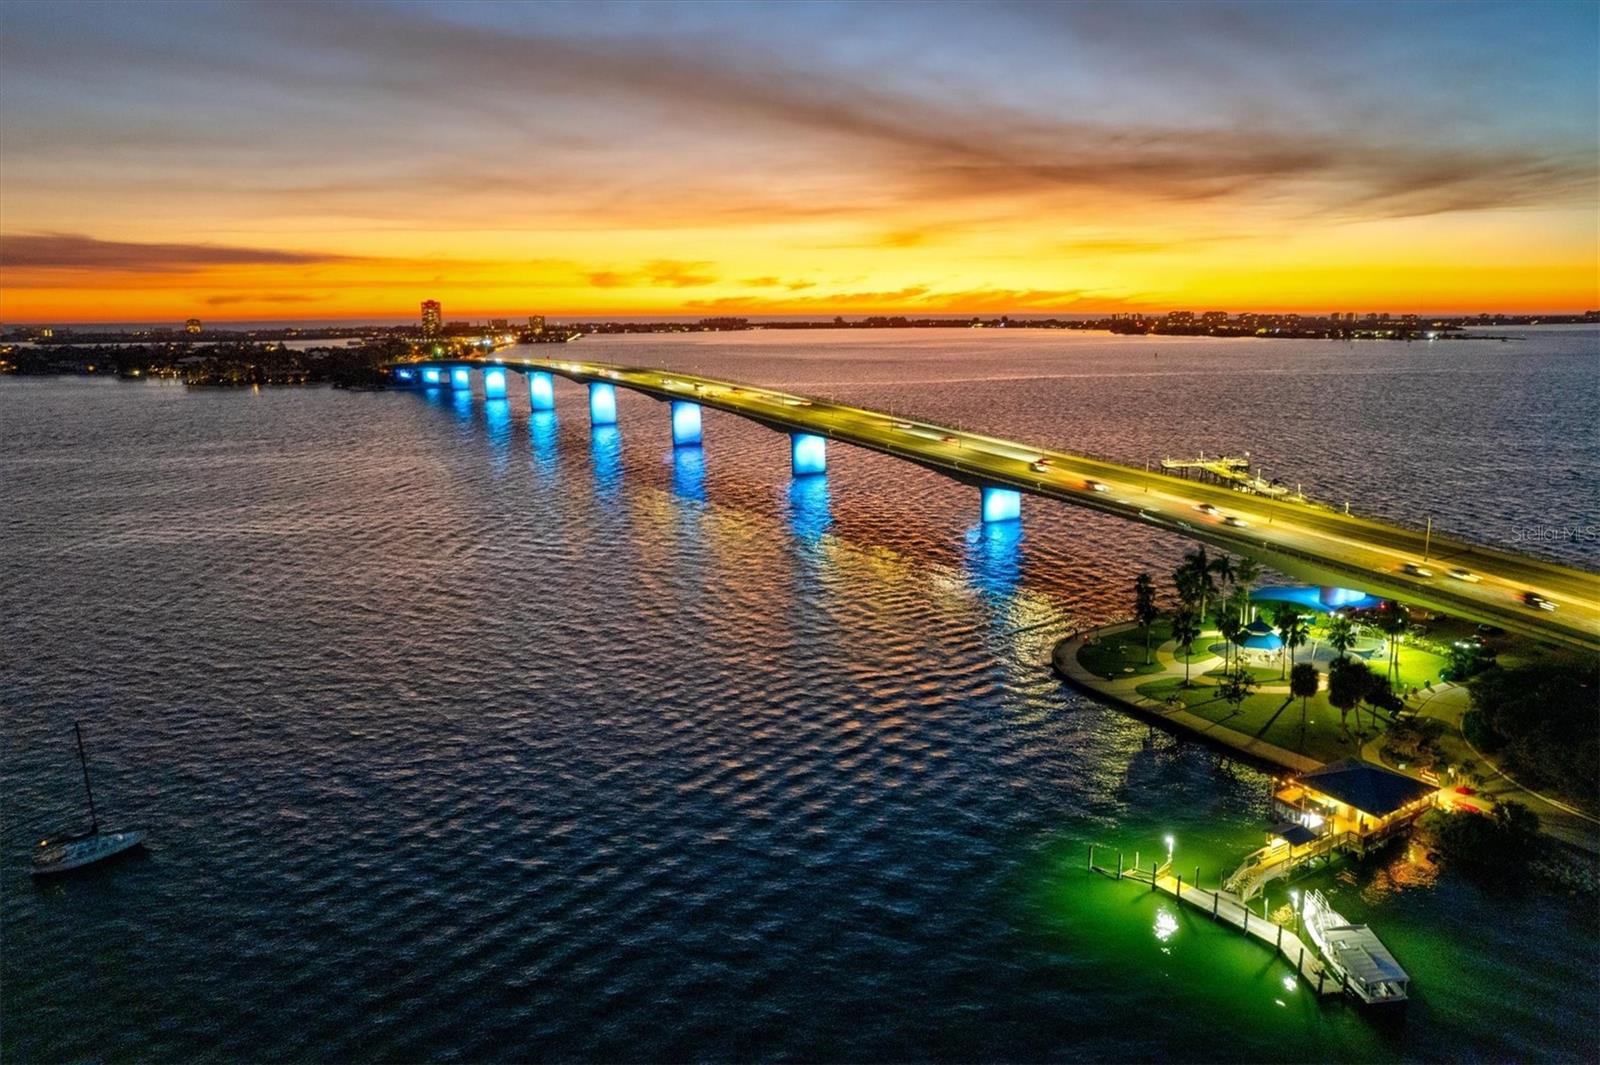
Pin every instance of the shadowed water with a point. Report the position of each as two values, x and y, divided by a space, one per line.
469 734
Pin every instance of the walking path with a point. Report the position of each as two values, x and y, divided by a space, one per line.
1124 690
1444 702
1448 703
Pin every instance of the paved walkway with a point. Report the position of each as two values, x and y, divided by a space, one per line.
1444 702
1124 690
1448 703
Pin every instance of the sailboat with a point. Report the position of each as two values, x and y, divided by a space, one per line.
75 852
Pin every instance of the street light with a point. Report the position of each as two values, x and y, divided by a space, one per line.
1169 841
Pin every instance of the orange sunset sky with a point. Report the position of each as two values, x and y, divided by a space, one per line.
345 161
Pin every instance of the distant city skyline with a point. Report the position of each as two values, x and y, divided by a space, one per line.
341 162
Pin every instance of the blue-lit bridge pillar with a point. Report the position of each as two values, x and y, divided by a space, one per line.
494 382
1001 504
434 376
461 378
541 391
685 424
808 453
602 403
406 377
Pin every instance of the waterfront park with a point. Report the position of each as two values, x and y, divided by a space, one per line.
1296 677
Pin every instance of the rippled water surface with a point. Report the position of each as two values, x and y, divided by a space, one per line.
469 734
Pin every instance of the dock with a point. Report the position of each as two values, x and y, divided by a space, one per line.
1227 908
1233 472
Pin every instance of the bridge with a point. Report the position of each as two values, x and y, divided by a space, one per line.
1336 551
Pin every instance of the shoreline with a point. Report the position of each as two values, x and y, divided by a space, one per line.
1120 693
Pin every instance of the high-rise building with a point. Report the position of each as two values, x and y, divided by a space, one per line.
536 322
192 327
499 323
431 317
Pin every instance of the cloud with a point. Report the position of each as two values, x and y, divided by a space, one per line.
70 251
657 273
262 297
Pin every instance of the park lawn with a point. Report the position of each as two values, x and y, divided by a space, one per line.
1273 718
1263 674
1112 655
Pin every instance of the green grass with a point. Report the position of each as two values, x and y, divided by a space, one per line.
1273 718
1122 653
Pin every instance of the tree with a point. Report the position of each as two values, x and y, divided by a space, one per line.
1245 574
1186 630
1292 630
1232 628
1392 620
1201 568
1347 684
1236 687
1303 682
1341 634
1222 567
1144 608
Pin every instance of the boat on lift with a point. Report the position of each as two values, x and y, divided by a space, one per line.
66 853
1353 953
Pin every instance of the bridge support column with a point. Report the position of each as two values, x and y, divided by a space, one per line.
541 391
808 453
685 424
494 382
434 375
461 379
406 377
602 403
1000 504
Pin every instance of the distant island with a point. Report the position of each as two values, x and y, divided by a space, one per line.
352 355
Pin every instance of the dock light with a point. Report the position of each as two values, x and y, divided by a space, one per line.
1170 842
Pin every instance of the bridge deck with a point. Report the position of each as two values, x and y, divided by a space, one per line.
1307 541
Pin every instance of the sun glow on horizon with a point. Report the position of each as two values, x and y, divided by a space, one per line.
794 160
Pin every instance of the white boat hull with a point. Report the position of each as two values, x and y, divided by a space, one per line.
75 854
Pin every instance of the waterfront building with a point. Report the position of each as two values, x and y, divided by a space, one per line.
431 317
192 327
536 323
1357 804
499 324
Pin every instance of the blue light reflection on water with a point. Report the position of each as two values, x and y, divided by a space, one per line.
809 512
993 557
689 473
542 430
605 445
497 422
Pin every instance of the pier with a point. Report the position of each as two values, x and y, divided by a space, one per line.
1227 908
1233 472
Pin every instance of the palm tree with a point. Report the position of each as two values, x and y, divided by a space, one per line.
1230 626
1303 681
1292 630
1144 608
1392 620
1186 630
1346 685
1341 634
1224 569
1198 563
1246 571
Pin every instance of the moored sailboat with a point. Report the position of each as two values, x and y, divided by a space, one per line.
74 852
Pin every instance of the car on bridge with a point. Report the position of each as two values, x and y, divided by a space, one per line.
1207 508
1236 521
1537 601
1464 575
1097 486
1416 570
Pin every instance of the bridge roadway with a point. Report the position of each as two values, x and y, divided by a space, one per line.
1310 542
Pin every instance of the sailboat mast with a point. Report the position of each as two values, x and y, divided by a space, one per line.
94 821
